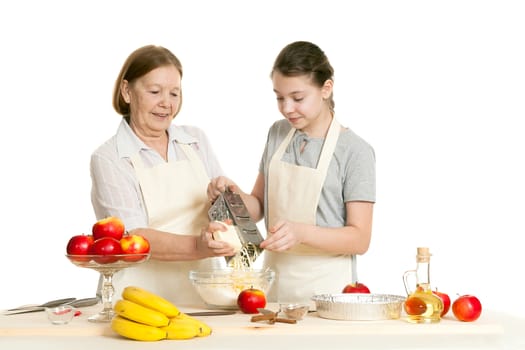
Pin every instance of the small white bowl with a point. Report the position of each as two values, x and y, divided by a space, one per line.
294 311
61 314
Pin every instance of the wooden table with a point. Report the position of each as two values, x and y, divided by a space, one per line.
492 331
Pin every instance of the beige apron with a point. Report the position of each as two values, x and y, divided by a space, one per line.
293 195
176 202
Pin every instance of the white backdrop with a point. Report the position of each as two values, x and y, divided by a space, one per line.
437 87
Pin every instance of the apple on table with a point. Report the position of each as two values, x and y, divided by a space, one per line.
356 287
251 299
445 299
467 308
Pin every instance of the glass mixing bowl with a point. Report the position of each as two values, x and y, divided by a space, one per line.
220 288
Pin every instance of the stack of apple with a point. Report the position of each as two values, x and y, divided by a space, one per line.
108 243
465 308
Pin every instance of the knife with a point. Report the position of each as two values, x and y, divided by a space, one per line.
210 313
42 307
68 301
51 303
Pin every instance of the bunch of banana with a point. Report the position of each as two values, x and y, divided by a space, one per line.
142 315
186 327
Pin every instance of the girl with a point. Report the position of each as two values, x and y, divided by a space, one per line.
316 182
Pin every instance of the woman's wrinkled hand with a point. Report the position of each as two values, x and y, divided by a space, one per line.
210 247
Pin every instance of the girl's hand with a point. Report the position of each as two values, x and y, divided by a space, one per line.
218 185
283 236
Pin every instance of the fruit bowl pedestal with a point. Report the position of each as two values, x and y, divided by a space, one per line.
107 266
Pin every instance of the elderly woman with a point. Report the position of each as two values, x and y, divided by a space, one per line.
153 175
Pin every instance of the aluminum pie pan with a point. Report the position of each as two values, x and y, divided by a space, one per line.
359 306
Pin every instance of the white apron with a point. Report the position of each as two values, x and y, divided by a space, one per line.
176 202
293 195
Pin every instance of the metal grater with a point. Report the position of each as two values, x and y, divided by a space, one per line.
229 205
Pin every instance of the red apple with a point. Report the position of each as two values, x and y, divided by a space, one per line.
110 226
357 287
446 301
106 248
134 244
249 300
79 245
466 308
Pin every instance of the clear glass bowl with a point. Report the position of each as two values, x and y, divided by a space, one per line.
107 266
220 288
107 262
62 314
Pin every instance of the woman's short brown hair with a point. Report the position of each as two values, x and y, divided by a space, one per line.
139 63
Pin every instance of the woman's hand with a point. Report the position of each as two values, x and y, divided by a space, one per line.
218 185
210 247
283 236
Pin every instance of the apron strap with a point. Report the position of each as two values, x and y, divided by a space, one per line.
189 152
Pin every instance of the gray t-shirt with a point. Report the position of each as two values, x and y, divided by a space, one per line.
351 174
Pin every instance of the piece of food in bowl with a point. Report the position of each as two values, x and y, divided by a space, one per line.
219 289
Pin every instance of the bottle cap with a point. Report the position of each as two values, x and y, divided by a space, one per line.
423 254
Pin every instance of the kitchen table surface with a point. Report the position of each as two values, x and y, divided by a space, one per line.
493 330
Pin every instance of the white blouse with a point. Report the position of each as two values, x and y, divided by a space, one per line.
115 188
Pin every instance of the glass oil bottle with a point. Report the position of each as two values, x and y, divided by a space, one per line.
421 305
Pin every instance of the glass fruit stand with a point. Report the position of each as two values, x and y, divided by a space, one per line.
107 266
